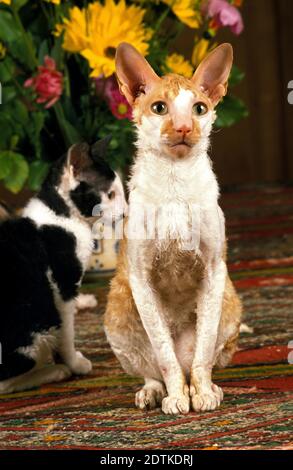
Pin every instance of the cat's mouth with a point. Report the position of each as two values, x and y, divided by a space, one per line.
180 143
179 149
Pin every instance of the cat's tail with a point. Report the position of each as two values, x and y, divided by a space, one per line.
5 212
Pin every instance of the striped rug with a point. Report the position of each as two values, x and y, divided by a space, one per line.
97 412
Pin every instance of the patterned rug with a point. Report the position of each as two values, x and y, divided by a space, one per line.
97 412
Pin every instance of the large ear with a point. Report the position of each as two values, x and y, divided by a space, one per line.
134 74
213 72
78 157
99 149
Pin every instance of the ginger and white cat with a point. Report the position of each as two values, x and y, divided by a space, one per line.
173 313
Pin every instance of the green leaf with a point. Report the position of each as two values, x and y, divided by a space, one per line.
19 3
57 52
14 141
34 128
18 174
8 94
20 112
37 173
70 133
43 51
19 41
236 76
230 111
6 70
5 164
8 29
24 51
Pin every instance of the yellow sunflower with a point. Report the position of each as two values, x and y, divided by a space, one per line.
201 49
176 63
56 2
186 11
75 30
7 2
96 31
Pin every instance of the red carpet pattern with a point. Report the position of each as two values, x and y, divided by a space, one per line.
97 412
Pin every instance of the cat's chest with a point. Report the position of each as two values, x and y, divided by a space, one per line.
176 274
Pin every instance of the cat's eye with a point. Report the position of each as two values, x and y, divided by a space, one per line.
159 107
200 109
111 195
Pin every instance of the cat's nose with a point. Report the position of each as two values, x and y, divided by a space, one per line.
183 130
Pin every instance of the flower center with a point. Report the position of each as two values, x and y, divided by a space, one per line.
122 108
110 52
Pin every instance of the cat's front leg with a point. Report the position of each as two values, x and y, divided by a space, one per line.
154 322
204 394
75 360
159 335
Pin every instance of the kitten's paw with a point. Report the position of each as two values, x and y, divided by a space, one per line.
176 405
206 401
60 372
84 301
81 365
150 396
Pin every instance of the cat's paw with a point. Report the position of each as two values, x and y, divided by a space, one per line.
60 372
173 405
86 301
150 396
209 400
80 365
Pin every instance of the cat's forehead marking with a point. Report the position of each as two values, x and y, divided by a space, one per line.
183 99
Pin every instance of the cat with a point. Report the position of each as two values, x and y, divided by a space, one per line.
44 254
83 301
172 311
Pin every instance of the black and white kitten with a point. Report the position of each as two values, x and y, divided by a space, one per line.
43 256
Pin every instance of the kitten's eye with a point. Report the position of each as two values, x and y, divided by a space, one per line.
200 109
159 107
111 195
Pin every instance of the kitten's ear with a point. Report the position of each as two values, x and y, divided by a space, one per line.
134 74
78 157
213 72
99 149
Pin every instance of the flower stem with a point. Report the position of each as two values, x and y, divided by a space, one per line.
60 119
161 19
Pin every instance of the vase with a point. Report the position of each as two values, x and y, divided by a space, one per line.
103 260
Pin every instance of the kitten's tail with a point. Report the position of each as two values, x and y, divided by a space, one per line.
5 212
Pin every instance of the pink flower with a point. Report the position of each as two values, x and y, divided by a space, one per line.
47 83
118 104
224 14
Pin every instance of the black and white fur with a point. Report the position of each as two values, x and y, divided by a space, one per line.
43 257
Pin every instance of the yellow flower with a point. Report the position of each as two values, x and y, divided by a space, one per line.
75 35
56 2
2 51
7 2
186 11
200 50
96 31
177 64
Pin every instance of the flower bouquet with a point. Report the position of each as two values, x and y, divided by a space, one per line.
57 81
